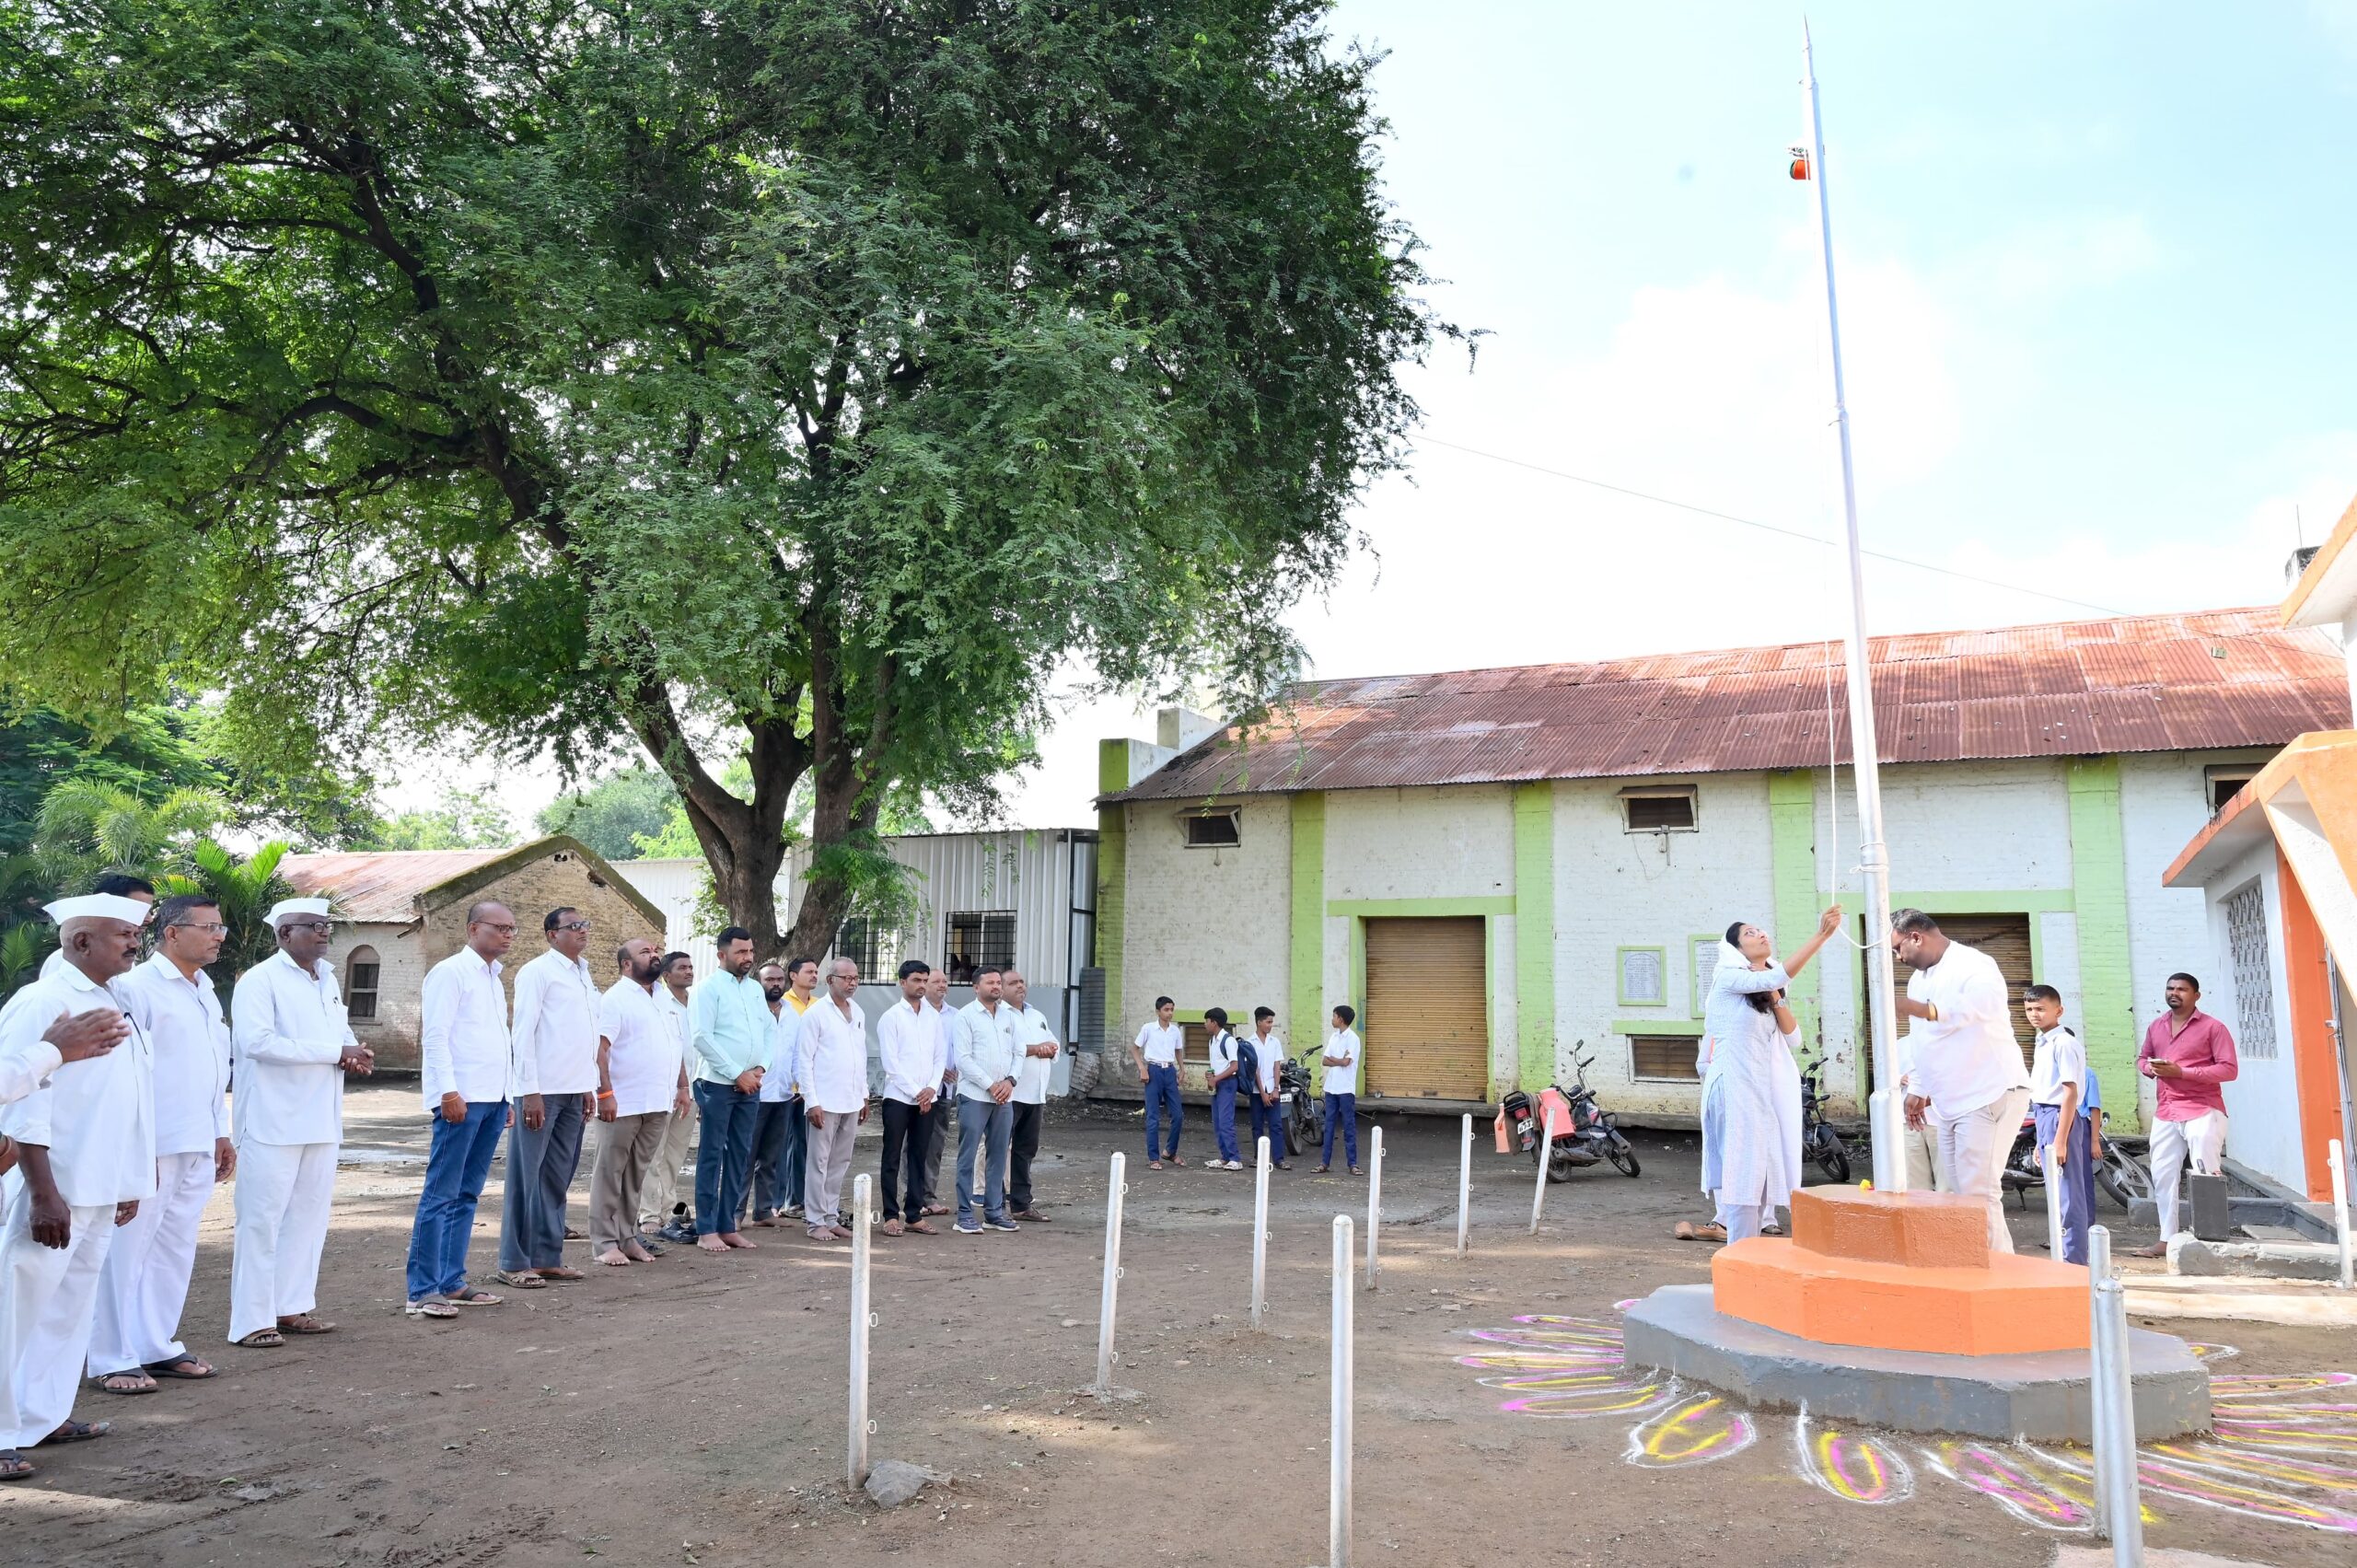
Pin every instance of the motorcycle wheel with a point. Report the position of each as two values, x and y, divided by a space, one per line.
1623 1158
2122 1176
1560 1167
1833 1158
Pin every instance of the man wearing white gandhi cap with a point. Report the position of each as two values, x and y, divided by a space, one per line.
290 1047
86 1145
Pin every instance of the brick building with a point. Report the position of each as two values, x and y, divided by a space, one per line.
1499 866
400 912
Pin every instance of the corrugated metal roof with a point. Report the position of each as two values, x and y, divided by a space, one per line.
2146 684
382 886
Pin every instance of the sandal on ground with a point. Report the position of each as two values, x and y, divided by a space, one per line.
562 1275
1153 1165
572 1234
77 1432
14 1466
470 1295
304 1323
1175 1160
936 1208
136 1377
520 1279
918 1227
894 1227
179 1368
431 1307
1321 1170
264 1339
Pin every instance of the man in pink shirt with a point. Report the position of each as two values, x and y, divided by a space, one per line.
2188 1054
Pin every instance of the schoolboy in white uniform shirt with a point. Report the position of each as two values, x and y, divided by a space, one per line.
85 1147
1963 1059
1225 1071
291 1045
144 1283
1341 1060
1268 1109
1156 1051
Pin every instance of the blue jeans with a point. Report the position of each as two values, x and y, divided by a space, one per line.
1224 1117
724 1154
456 1164
983 1127
1342 1110
1269 1121
2078 1180
1162 1094
541 1167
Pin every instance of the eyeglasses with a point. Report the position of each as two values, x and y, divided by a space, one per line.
580 925
318 927
507 930
209 928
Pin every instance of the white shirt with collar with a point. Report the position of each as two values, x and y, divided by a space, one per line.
191 1036
2060 1062
1161 1044
643 1051
288 1034
462 1042
1271 1051
1032 1073
907 1042
1967 1059
778 1085
1221 1050
1343 1080
675 1015
556 1027
831 1058
986 1053
944 1024
96 1116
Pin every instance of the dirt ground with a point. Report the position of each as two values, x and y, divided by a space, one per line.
692 1412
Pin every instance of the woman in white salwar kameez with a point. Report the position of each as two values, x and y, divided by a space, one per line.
1751 1114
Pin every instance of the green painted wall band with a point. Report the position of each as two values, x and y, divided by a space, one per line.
1534 938
2106 1019
1308 924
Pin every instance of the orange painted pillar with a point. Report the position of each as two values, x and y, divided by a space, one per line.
2309 986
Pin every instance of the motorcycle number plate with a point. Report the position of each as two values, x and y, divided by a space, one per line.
1286 1098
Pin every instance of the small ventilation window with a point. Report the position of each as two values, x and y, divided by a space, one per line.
1213 829
1666 809
360 980
1663 1058
2227 782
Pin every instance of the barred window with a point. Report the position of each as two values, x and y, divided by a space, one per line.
361 969
978 938
866 943
2254 974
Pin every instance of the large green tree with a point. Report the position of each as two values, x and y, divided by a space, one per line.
806 380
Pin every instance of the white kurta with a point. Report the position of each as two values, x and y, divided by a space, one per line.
1750 1142
288 1032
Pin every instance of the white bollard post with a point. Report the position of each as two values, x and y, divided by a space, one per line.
2341 1208
862 1320
2120 1517
1546 1154
2098 1407
2053 1198
1374 1202
1260 1233
1338 1434
1114 1189
1464 1184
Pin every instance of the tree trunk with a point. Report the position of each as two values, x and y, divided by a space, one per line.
842 805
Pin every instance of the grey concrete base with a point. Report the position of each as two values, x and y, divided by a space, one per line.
2311 1220
2009 1397
2254 1260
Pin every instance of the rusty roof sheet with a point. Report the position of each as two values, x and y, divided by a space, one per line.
2146 684
380 888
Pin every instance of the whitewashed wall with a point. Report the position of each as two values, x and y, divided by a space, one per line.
1208 928
2263 1102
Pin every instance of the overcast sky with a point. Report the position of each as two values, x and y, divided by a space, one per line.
2097 306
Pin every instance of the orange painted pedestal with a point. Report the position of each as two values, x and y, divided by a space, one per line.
1900 1271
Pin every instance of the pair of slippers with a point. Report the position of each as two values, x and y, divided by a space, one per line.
153 1370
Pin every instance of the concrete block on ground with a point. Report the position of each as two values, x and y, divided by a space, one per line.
2191 1255
2038 1397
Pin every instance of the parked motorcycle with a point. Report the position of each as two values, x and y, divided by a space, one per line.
1304 1112
1583 1131
2120 1171
1819 1142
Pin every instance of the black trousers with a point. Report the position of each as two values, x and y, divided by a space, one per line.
908 1138
1025 1145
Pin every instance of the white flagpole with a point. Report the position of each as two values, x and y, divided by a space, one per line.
1886 1109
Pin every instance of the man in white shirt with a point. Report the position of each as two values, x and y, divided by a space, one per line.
1268 1109
556 1093
1964 1067
466 1063
144 1283
781 1129
987 1065
86 1148
1034 1068
123 885
1155 1054
1342 1089
661 1210
291 1045
909 1045
641 1082
830 1063
1226 1069
944 1120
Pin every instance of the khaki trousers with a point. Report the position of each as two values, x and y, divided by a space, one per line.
662 1188
628 1148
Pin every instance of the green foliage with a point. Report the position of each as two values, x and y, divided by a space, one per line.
245 889
85 829
615 814
458 820
815 375
23 946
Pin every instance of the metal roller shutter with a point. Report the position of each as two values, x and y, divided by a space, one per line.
1427 1024
2004 937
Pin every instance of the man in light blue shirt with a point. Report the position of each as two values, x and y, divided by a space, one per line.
729 1031
988 1063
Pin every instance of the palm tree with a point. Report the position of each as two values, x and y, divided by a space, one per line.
245 890
85 829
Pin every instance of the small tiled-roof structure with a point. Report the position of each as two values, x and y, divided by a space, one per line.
391 887
2214 679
